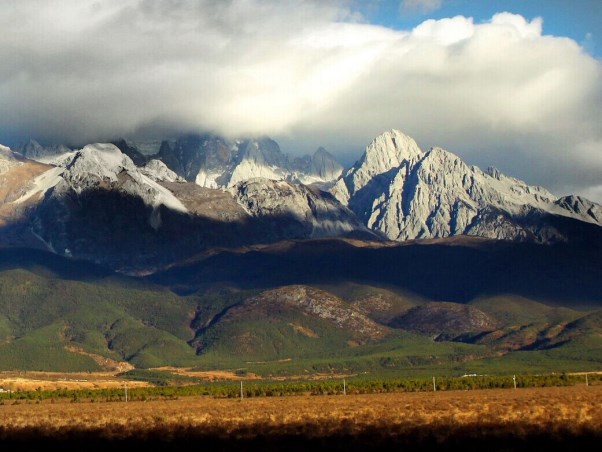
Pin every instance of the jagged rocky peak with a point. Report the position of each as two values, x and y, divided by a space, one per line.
203 159
388 151
213 161
35 151
320 169
259 158
263 151
396 189
325 165
187 155
582 207
321 164
384 155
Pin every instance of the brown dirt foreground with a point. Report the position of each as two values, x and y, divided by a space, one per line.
497 419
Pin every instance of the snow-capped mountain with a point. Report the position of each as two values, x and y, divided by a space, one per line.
214 162
95 203
405 193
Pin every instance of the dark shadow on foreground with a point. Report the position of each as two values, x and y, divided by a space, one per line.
302 437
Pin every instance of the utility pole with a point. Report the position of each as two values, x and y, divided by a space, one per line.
434 385
514 380
586 381
241 396
344 387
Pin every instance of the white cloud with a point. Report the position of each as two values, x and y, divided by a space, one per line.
308 73
445 31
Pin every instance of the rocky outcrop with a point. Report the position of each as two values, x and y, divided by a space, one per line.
445 321
313 212
321 304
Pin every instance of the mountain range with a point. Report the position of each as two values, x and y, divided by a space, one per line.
405 193
204 251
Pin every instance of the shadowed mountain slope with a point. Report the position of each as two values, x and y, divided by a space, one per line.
457 269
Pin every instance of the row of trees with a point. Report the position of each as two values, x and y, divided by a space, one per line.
323 387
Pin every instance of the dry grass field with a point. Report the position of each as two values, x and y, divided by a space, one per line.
495 419
30 381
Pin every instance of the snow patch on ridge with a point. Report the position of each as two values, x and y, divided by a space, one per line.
100 164
42 183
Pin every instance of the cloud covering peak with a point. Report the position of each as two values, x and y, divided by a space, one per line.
500 92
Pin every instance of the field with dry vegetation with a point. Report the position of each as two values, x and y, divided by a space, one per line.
498 419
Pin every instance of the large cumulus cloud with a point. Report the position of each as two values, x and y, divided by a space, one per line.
309 73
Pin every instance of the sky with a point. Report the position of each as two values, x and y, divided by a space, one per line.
514 84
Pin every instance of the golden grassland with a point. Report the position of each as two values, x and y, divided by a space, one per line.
32 380
499 419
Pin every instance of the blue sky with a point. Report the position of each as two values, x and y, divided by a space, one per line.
580 20
514 84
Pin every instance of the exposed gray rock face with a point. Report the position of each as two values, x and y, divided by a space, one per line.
445 321
320 169
215 162
35 151
258 158
405 193
318 303
315 212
